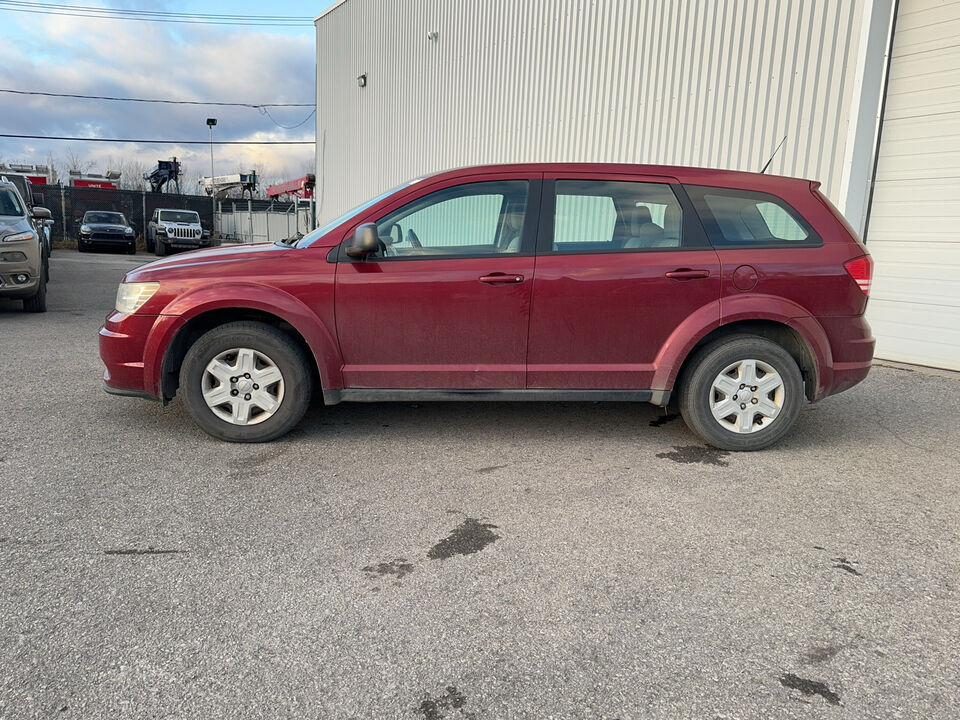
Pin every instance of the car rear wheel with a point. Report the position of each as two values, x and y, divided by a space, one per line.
741 393
246 382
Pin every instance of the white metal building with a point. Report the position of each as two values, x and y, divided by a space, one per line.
408 87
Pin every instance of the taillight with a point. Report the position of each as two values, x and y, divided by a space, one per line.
861 270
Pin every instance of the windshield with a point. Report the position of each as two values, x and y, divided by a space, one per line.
107 218
10 203
179 216
310 238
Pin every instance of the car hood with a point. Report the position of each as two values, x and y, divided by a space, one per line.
13 223
210 256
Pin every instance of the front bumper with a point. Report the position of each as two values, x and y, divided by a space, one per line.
123 339
9 269
108 240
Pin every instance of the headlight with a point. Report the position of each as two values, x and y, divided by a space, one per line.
128 231
20 236
132 296
85 229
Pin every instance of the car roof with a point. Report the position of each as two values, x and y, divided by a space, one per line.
684 174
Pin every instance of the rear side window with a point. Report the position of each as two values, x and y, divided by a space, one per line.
741 218
615 216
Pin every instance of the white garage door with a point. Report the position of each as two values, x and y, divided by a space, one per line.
914 231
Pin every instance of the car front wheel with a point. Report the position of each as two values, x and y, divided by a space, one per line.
246 382
37 303
741 393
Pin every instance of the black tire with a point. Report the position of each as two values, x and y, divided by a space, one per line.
162 249
38 302
149 243
288 357
132 250
81 247
696 391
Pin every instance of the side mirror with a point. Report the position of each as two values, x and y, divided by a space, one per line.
365 242
41 213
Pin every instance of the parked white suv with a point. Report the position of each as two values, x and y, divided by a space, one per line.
174 229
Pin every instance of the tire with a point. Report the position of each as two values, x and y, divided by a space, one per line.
272 351
38 302
149 244
162 249
81 247
766 417
132 250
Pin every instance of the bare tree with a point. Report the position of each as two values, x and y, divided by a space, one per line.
74 162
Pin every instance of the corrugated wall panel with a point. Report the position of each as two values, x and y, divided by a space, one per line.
691 82
913 236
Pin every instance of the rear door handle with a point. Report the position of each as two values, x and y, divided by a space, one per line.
687 274
501 279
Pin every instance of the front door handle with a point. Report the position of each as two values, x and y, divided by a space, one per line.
687 274
501 279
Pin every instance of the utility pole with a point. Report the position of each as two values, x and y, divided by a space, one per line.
213 187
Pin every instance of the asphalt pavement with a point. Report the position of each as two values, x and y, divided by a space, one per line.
474 560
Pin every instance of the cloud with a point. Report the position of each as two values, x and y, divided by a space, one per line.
156 60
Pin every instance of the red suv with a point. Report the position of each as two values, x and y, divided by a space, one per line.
735 294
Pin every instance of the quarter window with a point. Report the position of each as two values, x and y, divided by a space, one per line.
611 216
750 219
476 219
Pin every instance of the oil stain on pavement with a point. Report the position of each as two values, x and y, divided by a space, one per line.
434 708
689 454
471 536
820 654
809 687
398 568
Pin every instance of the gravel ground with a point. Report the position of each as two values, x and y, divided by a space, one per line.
465 560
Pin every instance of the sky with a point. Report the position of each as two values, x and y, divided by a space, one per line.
93 56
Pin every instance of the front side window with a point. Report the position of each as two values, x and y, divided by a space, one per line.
613 216
743 218
10 203
484 218
179 216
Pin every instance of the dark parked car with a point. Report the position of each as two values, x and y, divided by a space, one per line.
738 295
106 229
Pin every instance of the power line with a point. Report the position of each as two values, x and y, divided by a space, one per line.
257 106
126 11
288 127
153 16
158 142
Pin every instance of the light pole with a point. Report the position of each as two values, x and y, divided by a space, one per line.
213 187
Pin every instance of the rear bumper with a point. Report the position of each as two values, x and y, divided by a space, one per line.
852 344
123 339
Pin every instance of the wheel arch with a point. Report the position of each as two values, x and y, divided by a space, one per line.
203 322
783 334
